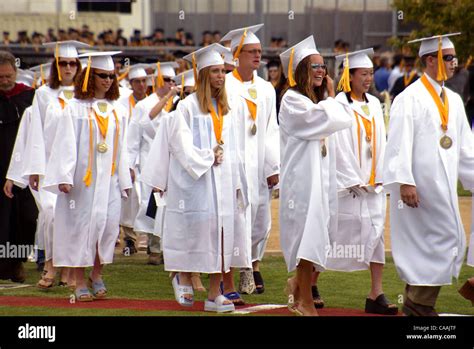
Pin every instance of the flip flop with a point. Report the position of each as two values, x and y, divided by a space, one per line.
218 306
180 291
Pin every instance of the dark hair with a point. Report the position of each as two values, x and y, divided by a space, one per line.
348 94
53 80
112 94
303 82
7 58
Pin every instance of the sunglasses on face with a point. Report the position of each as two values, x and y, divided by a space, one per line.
105 76
446 58
63 64
318 66
165 79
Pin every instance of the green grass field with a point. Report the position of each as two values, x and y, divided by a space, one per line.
130 277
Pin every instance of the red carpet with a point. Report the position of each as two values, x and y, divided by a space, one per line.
152 305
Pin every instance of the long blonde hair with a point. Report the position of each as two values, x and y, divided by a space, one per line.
204 94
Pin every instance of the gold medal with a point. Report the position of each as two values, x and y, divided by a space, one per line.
446 142
324 150
102 147
102 107
253 129
253 92
68 94
365 109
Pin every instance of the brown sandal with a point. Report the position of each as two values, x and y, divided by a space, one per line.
45 283
467 290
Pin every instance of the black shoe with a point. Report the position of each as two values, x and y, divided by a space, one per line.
129 248
317 300
18 272
259 285
381 305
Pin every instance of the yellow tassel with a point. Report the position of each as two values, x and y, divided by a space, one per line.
345 82
33 85
159 79
441 75
468 63
86 77
88 178
195 71
241 43
113 168
181 95
42 75
57 62
124 75
291 79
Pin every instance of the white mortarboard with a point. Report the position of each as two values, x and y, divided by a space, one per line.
206 57
185 79
431 44
137 71
165 69
41 72
295 54
357 59
229 58
66 49
26 77
101 59
98 60
352 60
237 38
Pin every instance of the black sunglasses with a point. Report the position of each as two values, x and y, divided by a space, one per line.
105 76
65 64
166 79
318 66
446 58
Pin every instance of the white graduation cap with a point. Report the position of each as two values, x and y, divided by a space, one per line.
41 73
206 57
229 58
66 49
352 60
431 44
242 36
185 79
137 71
436 43
165 69
98 60
295 54
26 77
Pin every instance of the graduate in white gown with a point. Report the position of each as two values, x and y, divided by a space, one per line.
88 168
358 241
50 100
308 172
137 78
257 129
142 129
201 183
430 146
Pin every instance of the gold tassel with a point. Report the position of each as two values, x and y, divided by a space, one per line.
159 79
468 63
181 95
195 71
57 62
42 75
441 75
86 77
241 43
291 79
125 74
33 85
87 178
345 82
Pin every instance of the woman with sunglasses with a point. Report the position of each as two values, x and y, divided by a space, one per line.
361 199
308 119
146 116
201 183
49 101
88 168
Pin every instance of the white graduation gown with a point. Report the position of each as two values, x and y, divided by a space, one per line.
198 232
308 180
141 133
428 242
260 154
46 111
88 217
131 204
359 238
15 169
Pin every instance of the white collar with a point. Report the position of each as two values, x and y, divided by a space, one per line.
435 84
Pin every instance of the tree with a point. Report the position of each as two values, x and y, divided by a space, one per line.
440 17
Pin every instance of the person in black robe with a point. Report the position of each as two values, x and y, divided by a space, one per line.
18 210
409 76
